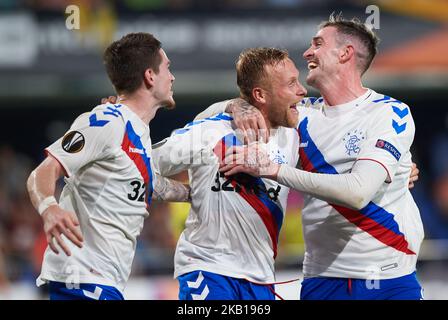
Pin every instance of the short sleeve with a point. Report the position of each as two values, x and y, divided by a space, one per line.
185 148
389 137
90 138
214 109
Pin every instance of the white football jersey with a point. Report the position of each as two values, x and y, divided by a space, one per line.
233 225
383 239
109 180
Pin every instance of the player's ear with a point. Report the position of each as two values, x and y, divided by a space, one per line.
259 95
346 53
148 78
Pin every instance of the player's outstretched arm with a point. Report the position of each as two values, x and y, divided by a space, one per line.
214 109
170 190
353 190
41 186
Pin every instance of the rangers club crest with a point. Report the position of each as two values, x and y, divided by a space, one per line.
352 141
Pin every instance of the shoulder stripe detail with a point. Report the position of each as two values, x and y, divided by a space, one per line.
218 117
254 191
133 147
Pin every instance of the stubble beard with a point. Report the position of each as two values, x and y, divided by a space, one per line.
287 119
169 104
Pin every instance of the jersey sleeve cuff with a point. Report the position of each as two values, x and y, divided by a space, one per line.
389 177
66 171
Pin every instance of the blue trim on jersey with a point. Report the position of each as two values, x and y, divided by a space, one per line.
113 111
312 99
135 139
387 99
314 155
83 291
381 216
398 128
94 122
401 113
180 131
231 140
218 117
271 205
373 211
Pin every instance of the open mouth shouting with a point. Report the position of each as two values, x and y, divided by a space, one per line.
312 65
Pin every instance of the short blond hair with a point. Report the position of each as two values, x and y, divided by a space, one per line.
250 67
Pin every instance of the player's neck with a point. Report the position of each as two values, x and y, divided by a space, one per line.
264 112
341 89
144 107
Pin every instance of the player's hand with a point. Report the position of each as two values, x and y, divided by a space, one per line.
248 120
110 99
58 221
414 175
251 159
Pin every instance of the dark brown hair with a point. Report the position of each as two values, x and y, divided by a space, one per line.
250 67
358 30
127 59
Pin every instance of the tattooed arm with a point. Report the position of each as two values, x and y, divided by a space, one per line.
353 190
249 120
170 190
246 117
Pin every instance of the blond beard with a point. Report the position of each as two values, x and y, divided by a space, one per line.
285 121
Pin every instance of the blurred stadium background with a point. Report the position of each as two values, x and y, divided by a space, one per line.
49 74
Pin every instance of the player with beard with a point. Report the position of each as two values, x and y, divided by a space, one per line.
362 228
229 245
